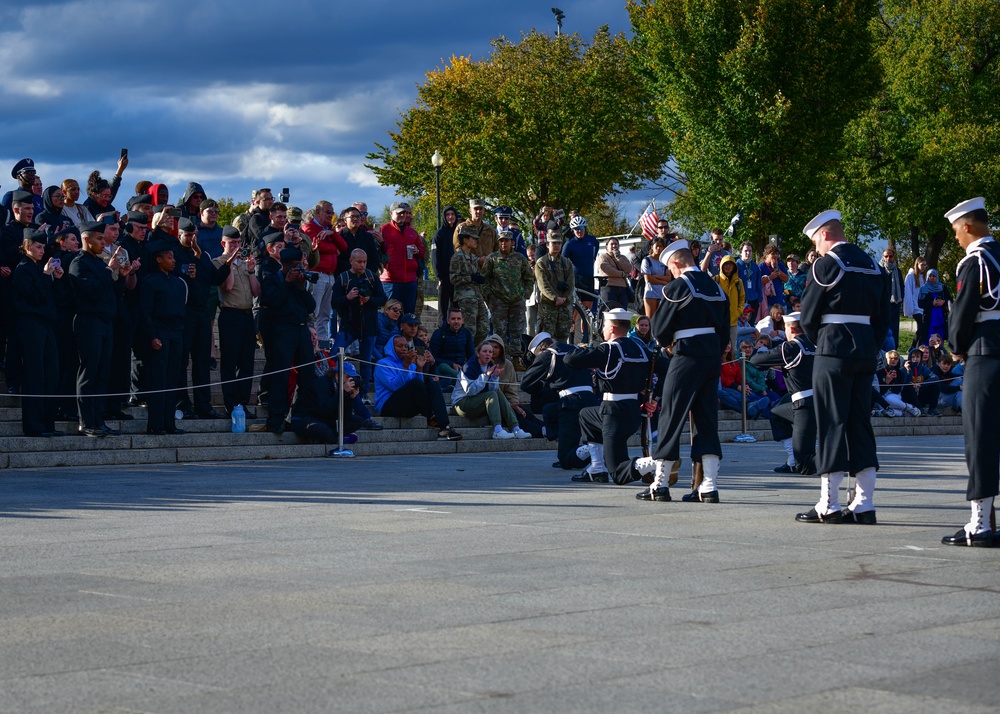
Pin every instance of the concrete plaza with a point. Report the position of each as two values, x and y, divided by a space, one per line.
489 583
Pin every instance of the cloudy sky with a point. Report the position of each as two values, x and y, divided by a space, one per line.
238 94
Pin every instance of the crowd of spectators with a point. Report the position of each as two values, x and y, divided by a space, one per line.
111 306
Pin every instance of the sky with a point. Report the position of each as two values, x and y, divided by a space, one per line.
236 95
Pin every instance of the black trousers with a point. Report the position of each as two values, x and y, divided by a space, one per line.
842 403
691 385
562 422
93 341
161 367
42 376
196 350
446 293
422 396
981 424
285 347
69 362
237 344
611 424
800 419
322 431
120 375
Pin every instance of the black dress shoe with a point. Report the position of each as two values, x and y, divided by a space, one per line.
39 434
154 432
175 431
187 414
980 540
783 469
811 516
654 494
56 432
210 414
109 431
699 497
865 519
557 464
278 429
586 476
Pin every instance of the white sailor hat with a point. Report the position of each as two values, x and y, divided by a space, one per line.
792 316
973 204
539 339
819 221
673 248
619 313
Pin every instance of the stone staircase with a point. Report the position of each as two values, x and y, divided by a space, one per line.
211 440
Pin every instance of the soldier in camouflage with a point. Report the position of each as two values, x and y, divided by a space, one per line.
468 282
509 282
486 237
554 275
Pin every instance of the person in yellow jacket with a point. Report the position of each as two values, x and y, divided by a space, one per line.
729 280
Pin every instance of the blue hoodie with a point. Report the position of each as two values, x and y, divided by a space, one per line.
391 376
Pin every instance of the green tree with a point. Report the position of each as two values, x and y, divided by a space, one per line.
754 96
546 121
932 136
229 209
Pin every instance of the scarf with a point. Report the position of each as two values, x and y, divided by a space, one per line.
929 288
895 280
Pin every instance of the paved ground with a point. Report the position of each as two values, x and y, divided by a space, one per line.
488 583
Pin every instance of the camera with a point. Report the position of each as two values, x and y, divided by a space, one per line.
362 285
244 253
311 276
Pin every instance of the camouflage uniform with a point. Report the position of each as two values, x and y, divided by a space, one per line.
487 237
468 294
549 272
509 282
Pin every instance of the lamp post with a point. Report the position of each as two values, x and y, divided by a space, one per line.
560 16
438 161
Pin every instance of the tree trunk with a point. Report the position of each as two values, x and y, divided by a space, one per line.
914 241
935 243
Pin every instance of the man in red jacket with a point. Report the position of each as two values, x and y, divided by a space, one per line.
328 244
402 248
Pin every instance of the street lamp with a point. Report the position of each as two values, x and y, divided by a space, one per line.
437 160
560 16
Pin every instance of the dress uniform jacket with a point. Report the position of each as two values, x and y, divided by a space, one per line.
795 359
974 330
693 316
845 313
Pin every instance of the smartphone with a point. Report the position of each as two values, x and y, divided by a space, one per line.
56 263
124 153
284 195
420 350
174 212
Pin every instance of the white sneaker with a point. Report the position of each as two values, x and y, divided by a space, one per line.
501 433
912 411
521 433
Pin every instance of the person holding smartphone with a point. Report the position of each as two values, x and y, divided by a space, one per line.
477 393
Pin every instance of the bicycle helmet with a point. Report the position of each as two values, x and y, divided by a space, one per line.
578 222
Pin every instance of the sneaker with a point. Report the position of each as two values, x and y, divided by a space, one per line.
449 435
521 433
912 411
501 433
367 401
933 412
350 438
371 425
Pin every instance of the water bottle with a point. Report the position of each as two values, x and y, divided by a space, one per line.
239 420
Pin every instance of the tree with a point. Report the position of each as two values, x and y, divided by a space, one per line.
754 96
932 136
546 121
229 209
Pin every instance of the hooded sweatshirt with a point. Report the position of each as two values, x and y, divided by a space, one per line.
192 188
52 216
443 246
733 288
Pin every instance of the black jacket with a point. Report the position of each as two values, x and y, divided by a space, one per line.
33 294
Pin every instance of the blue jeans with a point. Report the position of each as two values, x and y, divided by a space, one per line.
365 345
406 293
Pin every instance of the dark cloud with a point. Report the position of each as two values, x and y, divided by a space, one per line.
236 93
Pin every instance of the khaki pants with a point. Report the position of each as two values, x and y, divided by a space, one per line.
493 404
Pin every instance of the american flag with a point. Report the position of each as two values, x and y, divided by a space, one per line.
648 221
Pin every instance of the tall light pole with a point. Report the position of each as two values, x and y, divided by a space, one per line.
560 16
437 160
